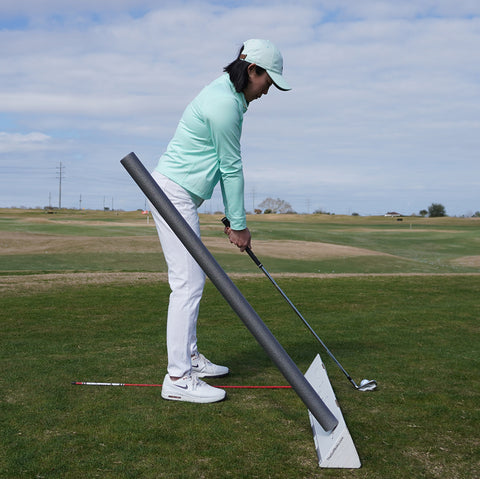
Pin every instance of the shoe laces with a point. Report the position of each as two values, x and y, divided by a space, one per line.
206 361
194 381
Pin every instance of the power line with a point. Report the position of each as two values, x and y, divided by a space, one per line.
60 177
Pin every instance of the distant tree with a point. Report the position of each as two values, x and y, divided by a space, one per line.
276 206
423 213
476 214
436 210
257 211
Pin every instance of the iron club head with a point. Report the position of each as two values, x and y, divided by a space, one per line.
367 385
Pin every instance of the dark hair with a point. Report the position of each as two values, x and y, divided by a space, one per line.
238 71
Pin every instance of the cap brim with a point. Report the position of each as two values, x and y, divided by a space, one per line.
279 81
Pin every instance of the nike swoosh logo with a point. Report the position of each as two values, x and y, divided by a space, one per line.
194 365
181 387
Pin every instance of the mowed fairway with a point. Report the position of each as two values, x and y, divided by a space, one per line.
84 298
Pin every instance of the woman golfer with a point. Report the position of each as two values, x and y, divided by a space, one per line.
204 150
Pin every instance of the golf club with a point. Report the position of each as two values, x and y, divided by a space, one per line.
365 384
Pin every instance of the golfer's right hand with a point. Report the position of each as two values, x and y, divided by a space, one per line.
240 238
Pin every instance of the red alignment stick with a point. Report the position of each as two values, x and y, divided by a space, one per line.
89 383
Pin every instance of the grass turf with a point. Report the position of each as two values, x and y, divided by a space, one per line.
417 336
415 245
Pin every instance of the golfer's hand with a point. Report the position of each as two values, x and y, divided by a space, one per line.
240 238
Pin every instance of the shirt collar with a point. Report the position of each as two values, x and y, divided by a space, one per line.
239 95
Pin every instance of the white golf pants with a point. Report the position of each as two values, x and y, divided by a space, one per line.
185 277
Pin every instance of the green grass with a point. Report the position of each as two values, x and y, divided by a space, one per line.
429 243
81 262
415 245
417 336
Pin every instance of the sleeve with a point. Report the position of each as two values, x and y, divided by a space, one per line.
225 125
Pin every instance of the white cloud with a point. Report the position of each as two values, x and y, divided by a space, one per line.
386 94
16 142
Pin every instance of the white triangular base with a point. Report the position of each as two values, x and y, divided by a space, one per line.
335 449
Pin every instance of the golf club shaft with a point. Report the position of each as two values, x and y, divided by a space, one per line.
250 253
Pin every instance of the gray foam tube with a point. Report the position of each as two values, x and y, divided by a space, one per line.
230 292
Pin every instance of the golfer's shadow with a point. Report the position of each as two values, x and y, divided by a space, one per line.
249 364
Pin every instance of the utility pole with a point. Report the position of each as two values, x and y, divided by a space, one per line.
60 177
80 205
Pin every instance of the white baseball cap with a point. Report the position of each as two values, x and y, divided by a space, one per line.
266 55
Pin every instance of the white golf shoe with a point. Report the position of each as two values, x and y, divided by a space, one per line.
190 389
203 368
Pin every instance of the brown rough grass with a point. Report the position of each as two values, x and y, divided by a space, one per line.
12 243
28 243
39 283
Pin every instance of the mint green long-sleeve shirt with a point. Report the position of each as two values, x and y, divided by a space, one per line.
206 148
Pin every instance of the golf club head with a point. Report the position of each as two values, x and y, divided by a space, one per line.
367 385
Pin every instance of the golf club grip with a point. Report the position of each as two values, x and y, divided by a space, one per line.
226 222
255 259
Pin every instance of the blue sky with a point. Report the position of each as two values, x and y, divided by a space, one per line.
384 113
